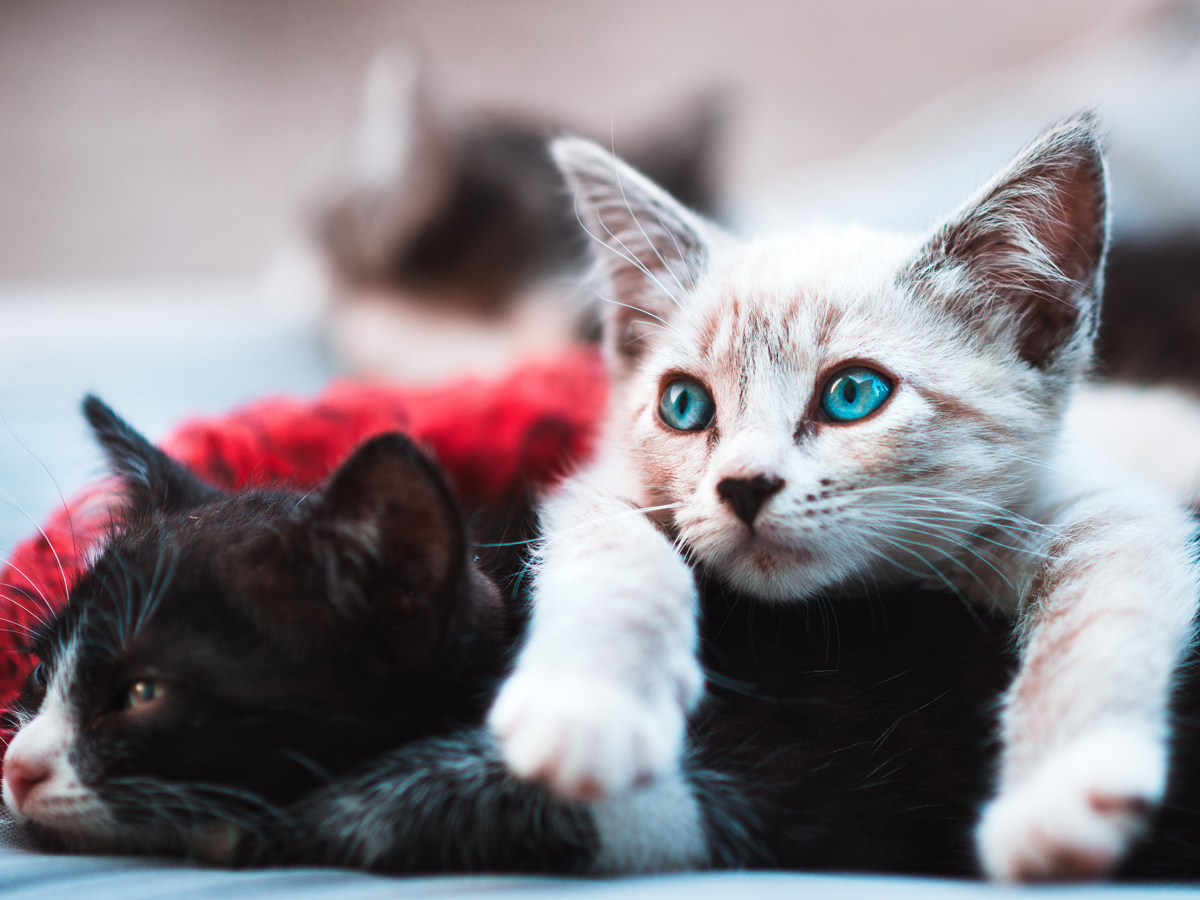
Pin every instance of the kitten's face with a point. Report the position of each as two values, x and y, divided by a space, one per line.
227 653
161 708
842 406
768 328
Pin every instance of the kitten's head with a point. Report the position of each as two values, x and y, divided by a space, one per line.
842 404
227 652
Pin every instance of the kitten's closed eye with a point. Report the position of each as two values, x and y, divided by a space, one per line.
854 394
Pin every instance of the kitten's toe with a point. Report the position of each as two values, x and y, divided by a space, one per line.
584 738
1078 814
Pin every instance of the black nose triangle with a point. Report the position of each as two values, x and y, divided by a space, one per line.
747 495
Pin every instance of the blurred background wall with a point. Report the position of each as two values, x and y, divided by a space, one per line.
163 139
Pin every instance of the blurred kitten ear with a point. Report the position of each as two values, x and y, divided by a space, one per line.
1023 260
151 480
397 172
649 247
394 545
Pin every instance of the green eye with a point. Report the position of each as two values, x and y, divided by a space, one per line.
141 693
686 406
854 393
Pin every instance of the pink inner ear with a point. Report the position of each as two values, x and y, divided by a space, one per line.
1074 235
1033 243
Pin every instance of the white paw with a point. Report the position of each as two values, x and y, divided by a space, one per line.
584 738
1079 812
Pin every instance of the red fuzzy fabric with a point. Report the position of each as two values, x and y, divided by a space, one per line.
526 428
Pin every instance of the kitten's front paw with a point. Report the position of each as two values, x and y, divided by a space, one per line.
584 738
1078 814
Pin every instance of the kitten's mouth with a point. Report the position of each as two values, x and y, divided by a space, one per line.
764 548
65 816
765 555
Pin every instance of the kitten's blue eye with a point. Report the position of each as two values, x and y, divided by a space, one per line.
687 406
854 393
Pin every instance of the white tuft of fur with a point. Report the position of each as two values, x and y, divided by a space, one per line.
1076 815
657 829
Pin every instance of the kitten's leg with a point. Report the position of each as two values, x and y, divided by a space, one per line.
598 700
450 804
443 804
1104 623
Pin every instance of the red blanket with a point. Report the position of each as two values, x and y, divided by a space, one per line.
526 428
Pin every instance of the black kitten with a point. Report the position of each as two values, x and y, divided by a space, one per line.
227 653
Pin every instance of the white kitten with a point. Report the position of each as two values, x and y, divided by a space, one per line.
840 411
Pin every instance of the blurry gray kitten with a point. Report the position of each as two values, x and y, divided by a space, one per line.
442 243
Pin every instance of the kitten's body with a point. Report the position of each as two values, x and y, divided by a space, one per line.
862 733
982 331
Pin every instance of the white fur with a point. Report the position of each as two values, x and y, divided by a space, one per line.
1086 800
961 479
1154 432
656 829
60 801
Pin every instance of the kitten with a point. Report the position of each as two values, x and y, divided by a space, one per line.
236 674
443 243
837 412
225 654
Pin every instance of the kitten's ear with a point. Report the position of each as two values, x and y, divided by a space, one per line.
395 545
398 172
649 247
151 480
1022 261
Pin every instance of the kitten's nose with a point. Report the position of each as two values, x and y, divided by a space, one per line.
22 774
747 495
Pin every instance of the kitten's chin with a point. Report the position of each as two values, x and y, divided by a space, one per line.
78 826
95 831
771 574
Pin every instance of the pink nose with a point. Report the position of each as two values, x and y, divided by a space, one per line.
22 775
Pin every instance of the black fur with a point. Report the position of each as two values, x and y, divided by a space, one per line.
860 729
443 805
862 734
